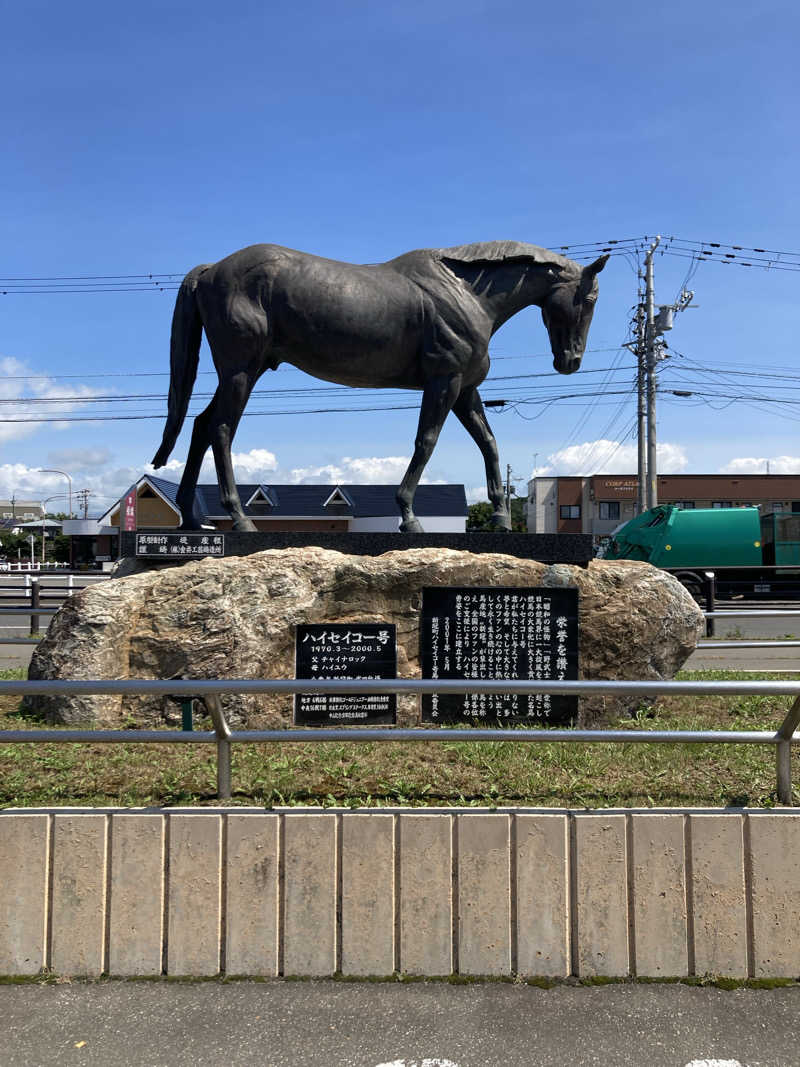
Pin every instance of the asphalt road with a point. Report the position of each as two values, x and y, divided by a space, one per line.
425 1024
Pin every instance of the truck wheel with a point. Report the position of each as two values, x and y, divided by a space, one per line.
694 587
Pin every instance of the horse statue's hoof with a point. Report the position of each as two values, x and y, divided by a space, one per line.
501 521
412 526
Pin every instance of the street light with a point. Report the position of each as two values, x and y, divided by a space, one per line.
54 470
58 496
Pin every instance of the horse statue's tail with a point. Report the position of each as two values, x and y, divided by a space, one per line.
184 355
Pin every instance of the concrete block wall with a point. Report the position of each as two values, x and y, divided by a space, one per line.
434 892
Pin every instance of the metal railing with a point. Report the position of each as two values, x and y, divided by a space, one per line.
36 591
745 613
211 689
770 580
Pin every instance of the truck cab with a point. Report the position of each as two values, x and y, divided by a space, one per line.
691 542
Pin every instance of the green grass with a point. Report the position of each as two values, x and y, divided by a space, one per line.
448 773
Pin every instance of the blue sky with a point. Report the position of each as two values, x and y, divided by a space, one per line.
150 138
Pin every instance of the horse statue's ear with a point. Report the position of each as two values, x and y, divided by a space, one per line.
597 266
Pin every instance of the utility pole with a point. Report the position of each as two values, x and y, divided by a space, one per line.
83 501
650 350
641 408
532 527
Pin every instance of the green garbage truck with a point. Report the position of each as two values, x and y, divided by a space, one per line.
747 554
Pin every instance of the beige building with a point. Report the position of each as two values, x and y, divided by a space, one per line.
598 504
20 510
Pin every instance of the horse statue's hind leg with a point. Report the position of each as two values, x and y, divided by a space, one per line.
438 397
468 409
216 426
233 394
201 439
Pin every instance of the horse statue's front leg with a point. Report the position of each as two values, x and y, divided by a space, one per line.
438 397
409 523
501 517
469 411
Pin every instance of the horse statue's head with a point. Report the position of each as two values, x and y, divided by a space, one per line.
567 311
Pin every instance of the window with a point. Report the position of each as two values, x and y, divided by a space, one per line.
777 505
570 511
722 504
795 506
685 504
608 509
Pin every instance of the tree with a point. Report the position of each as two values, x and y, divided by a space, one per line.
61 548
479 516
13 544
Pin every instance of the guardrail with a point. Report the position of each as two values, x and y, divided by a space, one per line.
774 581
746 613
32 568
211 689
36 591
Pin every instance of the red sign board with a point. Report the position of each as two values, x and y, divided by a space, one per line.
129 511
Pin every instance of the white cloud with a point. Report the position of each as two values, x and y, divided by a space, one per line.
172 468
24 482
386 470
18 384
753 465
255 465
611 457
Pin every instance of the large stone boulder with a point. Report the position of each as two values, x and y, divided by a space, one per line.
236 618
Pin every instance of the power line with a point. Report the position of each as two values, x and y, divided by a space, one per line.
167 281
49 285
295 411
118 289
740 255
738 248
114 398
287 369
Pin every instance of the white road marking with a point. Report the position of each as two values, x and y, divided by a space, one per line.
714 1063
449 1063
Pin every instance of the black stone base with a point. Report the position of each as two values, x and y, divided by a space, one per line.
546 548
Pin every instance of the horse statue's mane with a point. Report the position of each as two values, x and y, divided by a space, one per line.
497 251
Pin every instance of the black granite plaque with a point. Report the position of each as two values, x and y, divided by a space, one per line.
499 632
179 545
345 650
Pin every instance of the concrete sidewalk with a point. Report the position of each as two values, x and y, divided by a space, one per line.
421 1024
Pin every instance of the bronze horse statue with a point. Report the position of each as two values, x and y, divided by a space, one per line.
421 321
